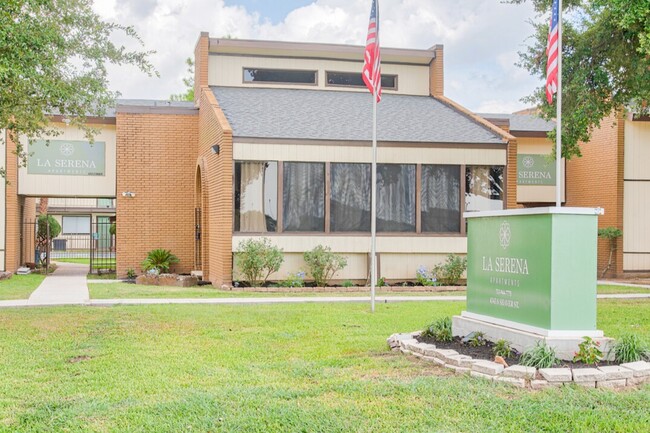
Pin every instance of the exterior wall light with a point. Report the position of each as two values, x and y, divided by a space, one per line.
215 149
128 194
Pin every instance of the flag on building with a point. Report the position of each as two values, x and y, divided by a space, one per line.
552 53
371 71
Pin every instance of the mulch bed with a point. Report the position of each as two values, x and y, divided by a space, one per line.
485 352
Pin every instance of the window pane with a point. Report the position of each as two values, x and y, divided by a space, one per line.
76 225
440 198
483 188
350 202
105 202
256 196
395 198
303 197
279 76
355 79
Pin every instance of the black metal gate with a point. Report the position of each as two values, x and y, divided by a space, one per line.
198 256
95 246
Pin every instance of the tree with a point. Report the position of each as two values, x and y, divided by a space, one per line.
47 229
53 58
188 82
605 55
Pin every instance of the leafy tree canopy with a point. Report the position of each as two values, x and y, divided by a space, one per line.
53 58
188 81
606 59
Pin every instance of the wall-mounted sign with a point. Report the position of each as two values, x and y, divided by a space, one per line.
535 170
67 158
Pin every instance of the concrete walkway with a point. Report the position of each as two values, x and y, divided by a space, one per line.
66 286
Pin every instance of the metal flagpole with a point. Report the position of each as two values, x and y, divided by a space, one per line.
558 137
373 201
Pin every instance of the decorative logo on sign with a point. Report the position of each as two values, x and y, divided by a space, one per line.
66 149
504 234
528 162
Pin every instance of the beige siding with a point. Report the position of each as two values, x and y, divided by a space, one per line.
637 150
80 186
228 71
537 193
403 155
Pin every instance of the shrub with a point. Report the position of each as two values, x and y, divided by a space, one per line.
159 260
45 234
424 277
381 282
130 274
440 330
540 356
112 229
611 234
323 264
347 283
295 280
477 339
588 351
630 348
451 271
502 348
258 259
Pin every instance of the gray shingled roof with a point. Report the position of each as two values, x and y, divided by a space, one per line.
522 122
339 115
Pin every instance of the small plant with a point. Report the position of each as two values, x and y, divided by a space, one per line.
295 280
323 264
502 348
611 234
477 339
588 351
160 260
112 229
381 282
258 259
424 277
450 272
630 348
440 330
130 274
540 356
347 283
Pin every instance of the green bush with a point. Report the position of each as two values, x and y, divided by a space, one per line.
450 272
44 234
130 274
540 356
159 260
502 348
588 351
258 259
477 339
112 229
630 348
347 283
294 280
323 264
440 330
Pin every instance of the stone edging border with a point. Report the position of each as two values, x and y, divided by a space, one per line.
616 376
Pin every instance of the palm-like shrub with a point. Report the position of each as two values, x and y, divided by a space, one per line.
160 260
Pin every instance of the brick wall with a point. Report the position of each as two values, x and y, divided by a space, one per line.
437 73
596 180
216 185
156 157
201 64
511 176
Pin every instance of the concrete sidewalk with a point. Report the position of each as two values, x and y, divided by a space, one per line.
66 286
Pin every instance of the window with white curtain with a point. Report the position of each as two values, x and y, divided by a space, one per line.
483 188
256 196
76 225
350 197
395 197
440 198
303 197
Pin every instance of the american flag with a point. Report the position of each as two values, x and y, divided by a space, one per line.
371 71
552 53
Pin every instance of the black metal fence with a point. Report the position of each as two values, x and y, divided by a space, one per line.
198 252
96 249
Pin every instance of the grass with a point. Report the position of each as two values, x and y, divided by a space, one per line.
606 289
84 261
273 368
133 291
19 286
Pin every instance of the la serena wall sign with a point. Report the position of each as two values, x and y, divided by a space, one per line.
67 158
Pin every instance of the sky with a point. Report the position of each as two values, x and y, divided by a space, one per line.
481 38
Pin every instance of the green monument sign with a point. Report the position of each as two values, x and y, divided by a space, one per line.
535 170
67 157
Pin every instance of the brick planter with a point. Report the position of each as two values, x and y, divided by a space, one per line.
167 280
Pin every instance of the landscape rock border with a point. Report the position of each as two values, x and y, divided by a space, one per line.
621 376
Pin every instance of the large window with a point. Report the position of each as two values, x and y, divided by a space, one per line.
76 225
395 198
254 75
303 197
483 188
350 198
354 79
256 196
440 198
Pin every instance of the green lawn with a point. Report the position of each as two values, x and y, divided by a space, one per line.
19 286
621 289
84 261
274 368
133 291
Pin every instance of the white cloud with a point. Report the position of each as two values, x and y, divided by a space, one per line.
481 38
